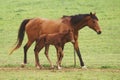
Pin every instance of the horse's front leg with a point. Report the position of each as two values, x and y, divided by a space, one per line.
46 54
76 47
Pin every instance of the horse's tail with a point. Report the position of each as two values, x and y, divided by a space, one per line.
20 36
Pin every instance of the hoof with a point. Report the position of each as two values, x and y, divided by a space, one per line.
23 65
52 67
59 68
84 67
39 67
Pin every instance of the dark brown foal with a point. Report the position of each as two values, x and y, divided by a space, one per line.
56 39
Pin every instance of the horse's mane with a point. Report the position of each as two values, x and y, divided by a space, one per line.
75 19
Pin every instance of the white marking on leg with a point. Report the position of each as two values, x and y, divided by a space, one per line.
84 67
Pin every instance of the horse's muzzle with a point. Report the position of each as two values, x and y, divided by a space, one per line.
99 32
73 41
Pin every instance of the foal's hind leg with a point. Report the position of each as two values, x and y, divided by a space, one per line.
36 52
46 53
37 60
26 47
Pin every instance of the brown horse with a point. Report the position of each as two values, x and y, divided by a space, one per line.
56 39
38 26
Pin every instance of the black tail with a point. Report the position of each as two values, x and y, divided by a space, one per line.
21 33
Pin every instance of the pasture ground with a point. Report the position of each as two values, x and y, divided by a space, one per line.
64 74
101 53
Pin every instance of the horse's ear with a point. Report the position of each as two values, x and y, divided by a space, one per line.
91 13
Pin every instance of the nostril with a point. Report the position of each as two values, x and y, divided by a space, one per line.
99 32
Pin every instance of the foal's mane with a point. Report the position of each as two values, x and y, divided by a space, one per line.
75 19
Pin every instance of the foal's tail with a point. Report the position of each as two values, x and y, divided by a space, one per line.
20 36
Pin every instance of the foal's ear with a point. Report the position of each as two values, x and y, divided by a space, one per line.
91 13
94 13
64 16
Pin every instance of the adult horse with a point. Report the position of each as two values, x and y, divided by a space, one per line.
37 26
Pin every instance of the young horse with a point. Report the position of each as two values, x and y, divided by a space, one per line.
55 39
38 26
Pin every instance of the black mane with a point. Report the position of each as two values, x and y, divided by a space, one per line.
75 19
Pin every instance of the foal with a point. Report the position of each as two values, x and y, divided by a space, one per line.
56 39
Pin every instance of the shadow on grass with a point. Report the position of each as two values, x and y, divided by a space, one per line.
106 67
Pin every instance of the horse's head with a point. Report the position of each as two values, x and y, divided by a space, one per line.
93 23
79 21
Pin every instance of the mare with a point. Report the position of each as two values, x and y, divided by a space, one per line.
37 26
56 39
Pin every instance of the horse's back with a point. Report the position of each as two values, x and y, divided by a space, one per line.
37 26
50 26
43 24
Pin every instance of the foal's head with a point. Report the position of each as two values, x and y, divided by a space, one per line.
68 36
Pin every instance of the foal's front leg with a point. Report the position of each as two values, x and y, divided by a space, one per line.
59 57
46 54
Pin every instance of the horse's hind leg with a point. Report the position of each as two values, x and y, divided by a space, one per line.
46 54
26 47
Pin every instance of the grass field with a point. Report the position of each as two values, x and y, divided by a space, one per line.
101 53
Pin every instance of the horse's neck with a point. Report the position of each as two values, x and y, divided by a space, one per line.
80 25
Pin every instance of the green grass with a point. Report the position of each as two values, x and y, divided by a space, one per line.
101 53
70 74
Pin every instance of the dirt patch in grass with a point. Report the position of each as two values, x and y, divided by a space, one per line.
56 70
